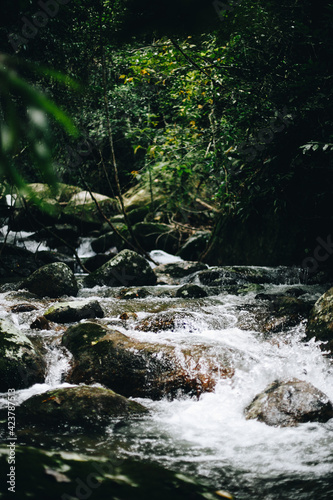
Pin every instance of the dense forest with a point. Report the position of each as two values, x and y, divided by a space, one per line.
221 110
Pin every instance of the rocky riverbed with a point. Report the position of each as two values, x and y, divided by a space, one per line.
162 380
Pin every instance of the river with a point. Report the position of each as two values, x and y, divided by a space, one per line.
208 437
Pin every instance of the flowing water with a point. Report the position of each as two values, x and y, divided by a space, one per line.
208 437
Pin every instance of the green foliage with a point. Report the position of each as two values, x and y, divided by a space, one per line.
24 122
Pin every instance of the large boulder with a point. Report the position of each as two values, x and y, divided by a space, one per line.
41 204
320 323
74 311
134 368
83 406
20 363
127 268
53 280
82 211
287 404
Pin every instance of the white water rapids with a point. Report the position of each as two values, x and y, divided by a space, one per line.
209 437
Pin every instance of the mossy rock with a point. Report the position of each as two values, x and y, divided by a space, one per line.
320 323
191 291
130 367
70 312
127 268
56 475
82 406
21 365
52 280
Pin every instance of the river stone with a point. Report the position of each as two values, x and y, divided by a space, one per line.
127 268
191 291
239 275
320 324
52 280
20 364
179 269
287 404
82 406
68 312
133 368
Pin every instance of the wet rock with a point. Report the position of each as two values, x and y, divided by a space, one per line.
83 406
52 280
127 268
134 368
133 293
194 246
20 308
287 404
173 272
69 312
127 316
20 364
55 475
40 323
252 287
190 291
166 321
239 275
320 324
284 305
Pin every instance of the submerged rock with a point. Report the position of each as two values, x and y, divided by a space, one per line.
52 280
68 312
20 364
287 404
127 268
83 406
320 324
134 368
